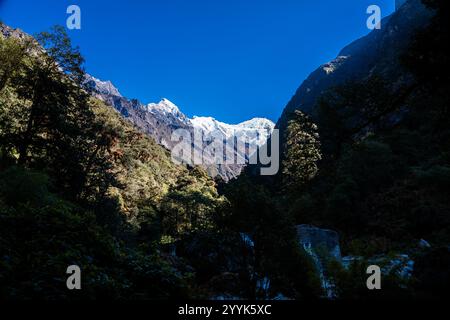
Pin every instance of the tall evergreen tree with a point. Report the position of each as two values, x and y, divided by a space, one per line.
302 151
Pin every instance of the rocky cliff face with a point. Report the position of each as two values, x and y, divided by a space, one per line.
376 53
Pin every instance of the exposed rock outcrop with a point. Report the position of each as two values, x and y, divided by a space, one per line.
321 245
315 239
373 54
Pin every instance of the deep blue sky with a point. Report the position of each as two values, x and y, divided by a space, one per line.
230 59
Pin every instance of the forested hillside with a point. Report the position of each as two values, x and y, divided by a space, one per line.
369 156
79 185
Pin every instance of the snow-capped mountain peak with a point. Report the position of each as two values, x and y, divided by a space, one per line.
165 106
257 123
248 130
160 120
210 124
206 123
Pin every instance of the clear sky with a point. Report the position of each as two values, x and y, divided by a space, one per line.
230 59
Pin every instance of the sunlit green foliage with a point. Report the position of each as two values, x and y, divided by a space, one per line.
80 185
302 151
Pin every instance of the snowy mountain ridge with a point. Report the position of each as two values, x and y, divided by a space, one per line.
207 124
256 130
160 120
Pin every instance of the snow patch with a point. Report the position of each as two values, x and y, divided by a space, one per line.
333 65
165 106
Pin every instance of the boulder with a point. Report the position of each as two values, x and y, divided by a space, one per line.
319 240
321 245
